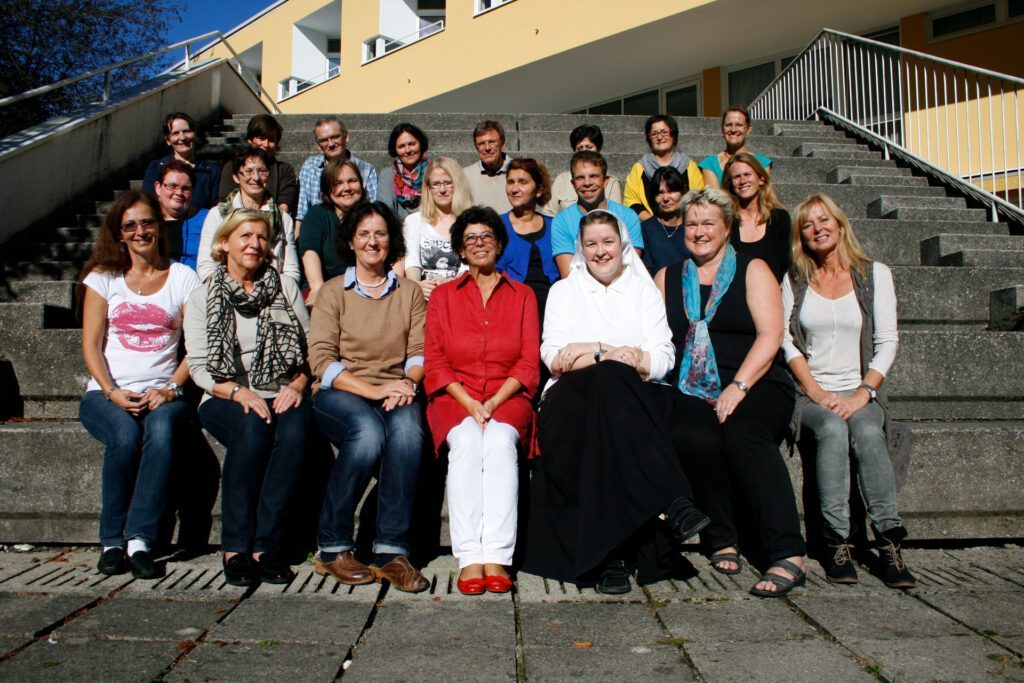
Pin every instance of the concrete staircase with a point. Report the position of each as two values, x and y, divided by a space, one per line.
957 381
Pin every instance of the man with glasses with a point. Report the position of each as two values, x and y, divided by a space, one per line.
662 135
331 137
184 222
486 177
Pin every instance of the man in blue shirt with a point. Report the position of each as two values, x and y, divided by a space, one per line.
589 175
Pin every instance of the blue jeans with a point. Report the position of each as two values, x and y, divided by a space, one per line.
262 464
369 439
136 464
863 436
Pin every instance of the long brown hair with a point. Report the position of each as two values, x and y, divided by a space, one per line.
110 254
767 200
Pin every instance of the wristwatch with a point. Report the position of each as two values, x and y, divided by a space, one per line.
175 389
234 390
744 387
872 392
599 353
415 384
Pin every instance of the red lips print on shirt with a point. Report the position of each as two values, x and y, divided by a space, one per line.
142 327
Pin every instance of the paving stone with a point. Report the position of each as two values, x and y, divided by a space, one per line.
538 589
878 617
996 615
750 620
89 660
26 614
438 639
943 658
166 618
265 661
792 660
594 641
301 620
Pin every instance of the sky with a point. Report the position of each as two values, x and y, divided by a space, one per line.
202 16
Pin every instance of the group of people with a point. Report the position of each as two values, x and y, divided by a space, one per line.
644 359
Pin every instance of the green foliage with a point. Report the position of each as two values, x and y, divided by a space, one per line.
45 41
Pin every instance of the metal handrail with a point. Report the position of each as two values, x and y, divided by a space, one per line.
963 120
254 85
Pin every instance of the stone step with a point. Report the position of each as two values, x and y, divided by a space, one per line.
80 233
841 174
885 205
48 367
805 131
912 213
890 181
51 489
40 270
73 251
948 298
1006 308
36 316
897 243
937 248
58 293
984 258
856 200
836 150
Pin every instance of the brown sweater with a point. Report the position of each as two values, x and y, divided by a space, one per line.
372 337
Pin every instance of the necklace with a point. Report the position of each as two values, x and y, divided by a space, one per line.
144 284
669 235
373 286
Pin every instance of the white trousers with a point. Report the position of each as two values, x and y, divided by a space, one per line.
483 492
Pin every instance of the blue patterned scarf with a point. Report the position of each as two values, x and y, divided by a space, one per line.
698 370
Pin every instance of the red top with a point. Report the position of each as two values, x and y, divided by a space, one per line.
481 348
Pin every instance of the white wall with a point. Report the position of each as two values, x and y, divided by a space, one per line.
309 50
398 18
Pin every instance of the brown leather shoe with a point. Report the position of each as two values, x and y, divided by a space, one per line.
346 569
402 575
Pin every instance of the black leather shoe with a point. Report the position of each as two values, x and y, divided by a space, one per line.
112 562
273 569
143 566
614 579
238 571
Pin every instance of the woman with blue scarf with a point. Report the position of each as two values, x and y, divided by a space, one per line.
725 311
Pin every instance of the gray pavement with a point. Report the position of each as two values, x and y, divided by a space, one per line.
61 620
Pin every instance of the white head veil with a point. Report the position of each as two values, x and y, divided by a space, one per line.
630 259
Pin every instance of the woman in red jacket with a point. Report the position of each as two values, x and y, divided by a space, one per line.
482 363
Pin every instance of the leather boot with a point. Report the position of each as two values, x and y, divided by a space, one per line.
839 567
892 569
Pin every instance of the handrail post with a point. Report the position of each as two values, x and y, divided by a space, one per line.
106 85
188 57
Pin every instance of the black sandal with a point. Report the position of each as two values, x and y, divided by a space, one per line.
783 584
726 557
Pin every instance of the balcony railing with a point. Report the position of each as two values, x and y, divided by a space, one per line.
293 85
379 45
961 120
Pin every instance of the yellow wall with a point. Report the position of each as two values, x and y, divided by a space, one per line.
491 43
996 49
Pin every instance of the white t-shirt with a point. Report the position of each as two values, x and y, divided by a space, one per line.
429 250
140 345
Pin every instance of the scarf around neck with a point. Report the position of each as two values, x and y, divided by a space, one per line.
698 369
650 164
280 339
408 184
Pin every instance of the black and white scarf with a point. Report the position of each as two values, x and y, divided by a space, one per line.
280 340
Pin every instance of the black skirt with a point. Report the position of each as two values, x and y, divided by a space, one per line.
606 469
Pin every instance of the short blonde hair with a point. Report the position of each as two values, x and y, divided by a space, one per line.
462 198
707 197
851 254
230 224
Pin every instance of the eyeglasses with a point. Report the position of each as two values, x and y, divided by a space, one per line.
336 139
484 238
438 184
254 172
734 126
380 236
174 187
132 226
660 134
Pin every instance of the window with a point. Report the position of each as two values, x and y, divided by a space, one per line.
1014 8
746 84
963 21
682 101
613 107
481 6
644 103
430 13
889 36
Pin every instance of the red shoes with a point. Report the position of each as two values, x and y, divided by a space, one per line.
498 584
474 586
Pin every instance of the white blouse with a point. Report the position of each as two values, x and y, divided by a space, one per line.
629 312
832 328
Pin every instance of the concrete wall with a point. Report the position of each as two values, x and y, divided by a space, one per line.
62 162
309 53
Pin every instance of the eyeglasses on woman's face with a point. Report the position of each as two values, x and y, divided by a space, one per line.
484 238
144 224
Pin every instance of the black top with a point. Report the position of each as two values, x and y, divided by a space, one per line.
663 246
774 247
536 278
732 329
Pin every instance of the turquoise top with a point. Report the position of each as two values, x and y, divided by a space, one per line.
710 163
